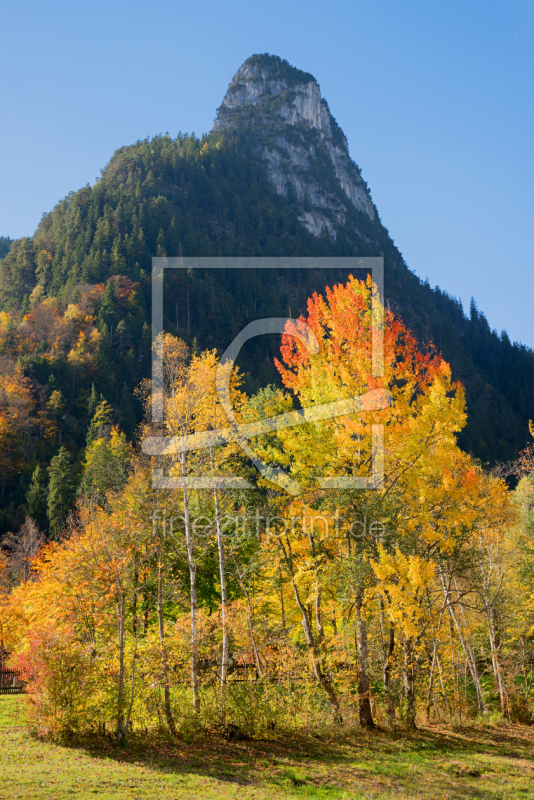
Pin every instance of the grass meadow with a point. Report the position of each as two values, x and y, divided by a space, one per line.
434 762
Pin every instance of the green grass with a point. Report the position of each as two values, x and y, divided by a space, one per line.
434 762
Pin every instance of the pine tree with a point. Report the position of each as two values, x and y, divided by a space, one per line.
92 402
36 502
123 336
61 491
100 425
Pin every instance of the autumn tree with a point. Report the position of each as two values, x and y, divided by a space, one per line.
409 400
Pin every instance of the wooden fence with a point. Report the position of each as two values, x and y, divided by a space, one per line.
10 682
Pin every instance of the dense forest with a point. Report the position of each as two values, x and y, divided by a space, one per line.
76 300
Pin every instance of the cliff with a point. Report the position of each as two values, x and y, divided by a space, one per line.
305 151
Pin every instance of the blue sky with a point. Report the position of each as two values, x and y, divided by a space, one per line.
436 99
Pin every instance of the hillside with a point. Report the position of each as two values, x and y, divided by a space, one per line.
274 177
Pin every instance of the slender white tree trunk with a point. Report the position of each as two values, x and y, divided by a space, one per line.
496 661
224 598
164 656
190 545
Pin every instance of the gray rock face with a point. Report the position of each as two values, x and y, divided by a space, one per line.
305 150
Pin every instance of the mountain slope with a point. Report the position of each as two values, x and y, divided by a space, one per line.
274 177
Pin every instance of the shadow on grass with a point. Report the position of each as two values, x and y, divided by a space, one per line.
378 760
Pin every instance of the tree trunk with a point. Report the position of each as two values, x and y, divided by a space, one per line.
445 694
193 594
430 690
322 679
135 621
282 606
468 652
364 694
146 614
164 659
132 696
224 598
408 683
120 694
497 666
318 613
388 692
250 621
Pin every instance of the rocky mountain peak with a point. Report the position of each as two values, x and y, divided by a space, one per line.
305 150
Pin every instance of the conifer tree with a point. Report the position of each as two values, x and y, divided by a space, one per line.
100 425
61 491
92 402
36 502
